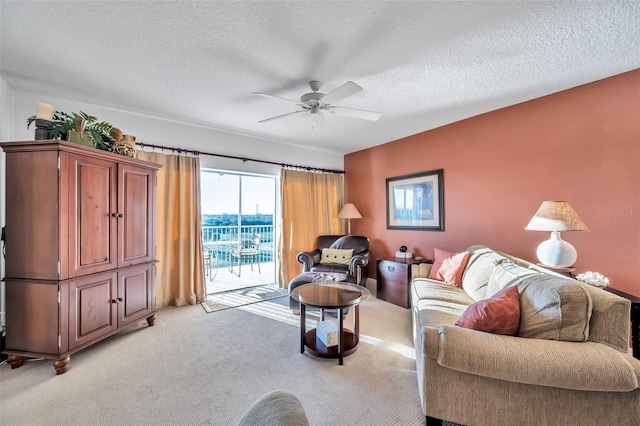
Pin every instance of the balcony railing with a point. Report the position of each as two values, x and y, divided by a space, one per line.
219 241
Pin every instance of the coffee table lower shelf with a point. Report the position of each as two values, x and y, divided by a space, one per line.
314 346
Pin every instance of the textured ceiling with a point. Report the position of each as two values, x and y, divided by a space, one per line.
421 64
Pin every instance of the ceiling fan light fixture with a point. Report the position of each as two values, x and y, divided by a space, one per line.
318 121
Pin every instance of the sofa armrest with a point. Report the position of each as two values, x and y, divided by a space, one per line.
584 366
431 342
309 258
358 267
358 261
421 270
275 408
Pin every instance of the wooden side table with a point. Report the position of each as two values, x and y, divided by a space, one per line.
393 278
330 296
635 319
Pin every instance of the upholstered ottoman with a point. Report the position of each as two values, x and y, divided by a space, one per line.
316 277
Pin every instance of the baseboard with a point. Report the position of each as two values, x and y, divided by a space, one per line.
2 356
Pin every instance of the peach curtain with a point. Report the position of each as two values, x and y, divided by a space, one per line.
310 204
180 271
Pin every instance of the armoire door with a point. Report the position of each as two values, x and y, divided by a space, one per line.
93 308
136 209
137 291
93 215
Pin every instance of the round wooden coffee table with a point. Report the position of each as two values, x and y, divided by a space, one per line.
337 296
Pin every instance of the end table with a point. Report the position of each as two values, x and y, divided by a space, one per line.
568 271
393 279
635 319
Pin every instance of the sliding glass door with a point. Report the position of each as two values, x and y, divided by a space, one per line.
236 208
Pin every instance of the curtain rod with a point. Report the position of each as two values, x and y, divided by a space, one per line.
233 157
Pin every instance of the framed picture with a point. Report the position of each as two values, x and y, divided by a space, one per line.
416 201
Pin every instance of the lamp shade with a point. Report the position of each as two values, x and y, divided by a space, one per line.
349 211
556 216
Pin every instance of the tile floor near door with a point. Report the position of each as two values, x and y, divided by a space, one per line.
222 279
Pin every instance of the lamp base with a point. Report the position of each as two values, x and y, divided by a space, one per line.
556 253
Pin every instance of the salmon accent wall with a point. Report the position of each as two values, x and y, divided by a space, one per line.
581 145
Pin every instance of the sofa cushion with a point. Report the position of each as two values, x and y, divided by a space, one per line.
448 267
330 267
554 308
479 267
505 275
438 303
336 256
565 365
500 314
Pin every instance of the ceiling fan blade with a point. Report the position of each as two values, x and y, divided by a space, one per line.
283 115
266 95
341 92
355 113
318 121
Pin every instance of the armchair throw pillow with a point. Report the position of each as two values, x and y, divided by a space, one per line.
500 314
336 256
448 267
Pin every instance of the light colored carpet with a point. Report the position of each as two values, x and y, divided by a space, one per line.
194 368
244 296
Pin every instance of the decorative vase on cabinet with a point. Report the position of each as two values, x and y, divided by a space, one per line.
80 247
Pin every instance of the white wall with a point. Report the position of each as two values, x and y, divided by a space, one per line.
158 131
6 133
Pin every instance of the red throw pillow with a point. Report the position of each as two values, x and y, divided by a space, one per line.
448 267
500 314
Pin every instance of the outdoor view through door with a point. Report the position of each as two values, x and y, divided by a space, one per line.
239 236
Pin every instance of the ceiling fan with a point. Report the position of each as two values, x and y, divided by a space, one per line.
317 103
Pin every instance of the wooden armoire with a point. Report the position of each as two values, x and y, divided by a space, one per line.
80 247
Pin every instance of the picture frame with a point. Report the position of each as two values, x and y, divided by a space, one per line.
416 201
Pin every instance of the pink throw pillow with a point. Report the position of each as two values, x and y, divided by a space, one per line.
500 314
448 267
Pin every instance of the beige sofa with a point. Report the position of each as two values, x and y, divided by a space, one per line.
569 364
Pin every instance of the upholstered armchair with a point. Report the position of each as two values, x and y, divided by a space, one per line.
335 259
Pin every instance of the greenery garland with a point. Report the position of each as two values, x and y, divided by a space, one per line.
100 132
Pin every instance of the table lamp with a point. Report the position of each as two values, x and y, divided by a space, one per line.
556 216
349 211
